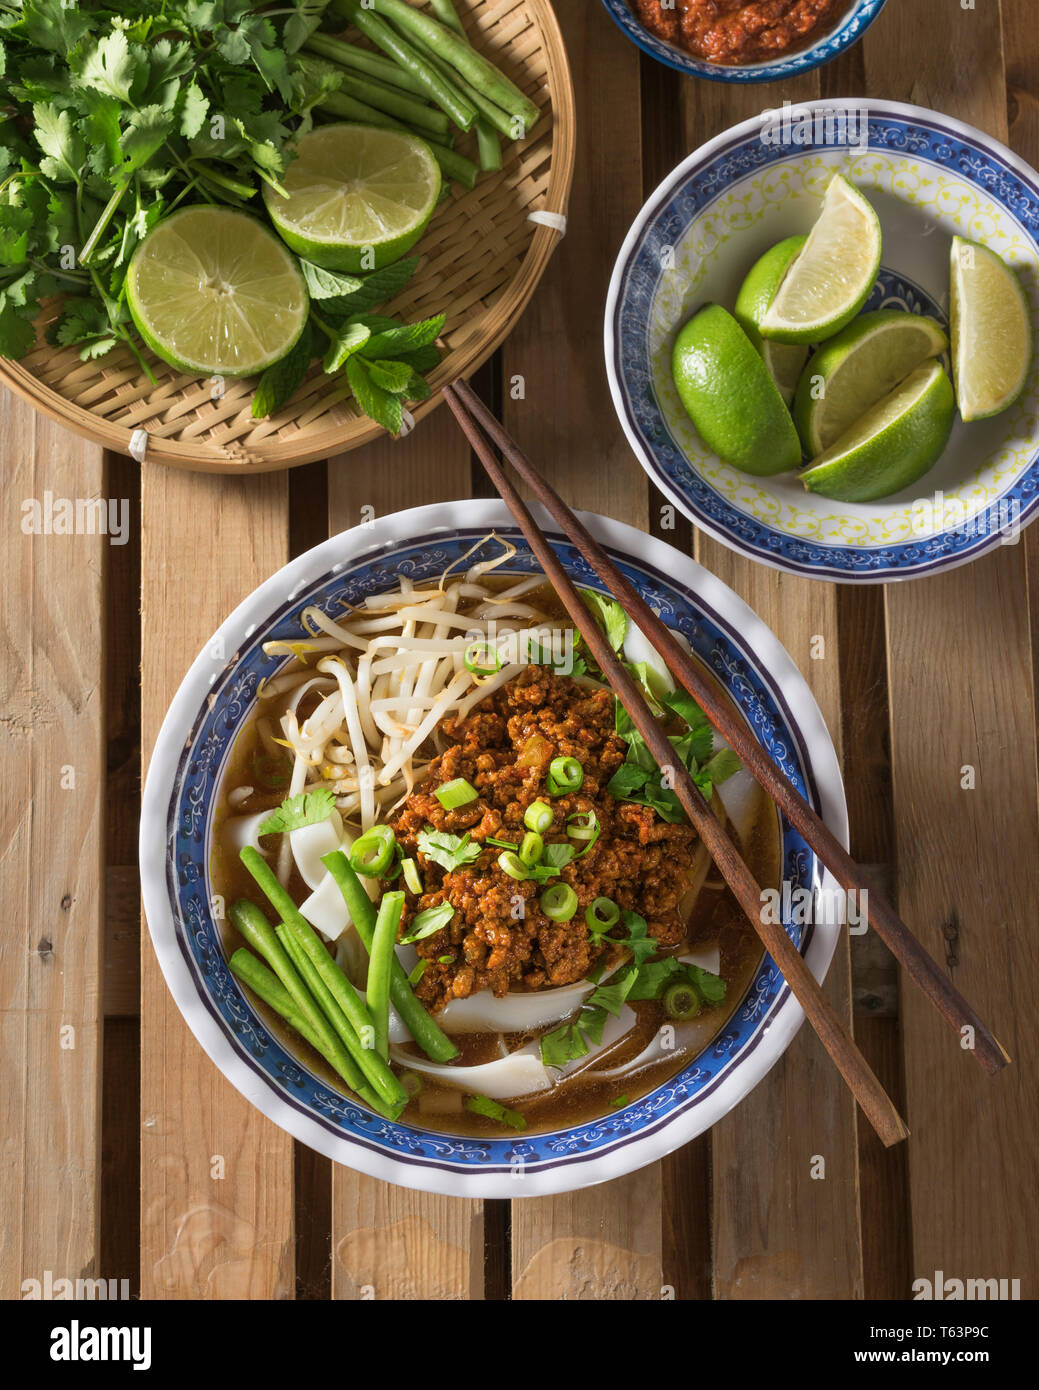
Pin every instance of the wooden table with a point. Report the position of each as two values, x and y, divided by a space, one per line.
127 1155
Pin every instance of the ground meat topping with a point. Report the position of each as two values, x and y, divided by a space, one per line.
739 31
499 938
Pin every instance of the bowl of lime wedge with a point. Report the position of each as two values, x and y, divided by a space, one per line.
820 340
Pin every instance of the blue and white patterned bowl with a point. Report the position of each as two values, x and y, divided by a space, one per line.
847 31
192 751
930 178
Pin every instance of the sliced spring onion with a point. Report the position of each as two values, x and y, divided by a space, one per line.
411 875
531 848
483 1105
559 903
372 854
538 817
501 844
510 863
457 793
565 775
482 659
601 914
615 1103
418 972
682 1000
412 1082
584 825
428 922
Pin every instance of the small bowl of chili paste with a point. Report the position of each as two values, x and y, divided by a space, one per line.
743 40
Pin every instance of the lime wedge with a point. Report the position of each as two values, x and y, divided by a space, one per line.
890 446
783 360
359 197
831 279
730 397
855 369
212 291
991 331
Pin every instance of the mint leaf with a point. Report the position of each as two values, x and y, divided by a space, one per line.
394 377
343 346
282 379
369 291
328 284
376 403
404 337
293 814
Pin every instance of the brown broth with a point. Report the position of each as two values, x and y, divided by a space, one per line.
716 918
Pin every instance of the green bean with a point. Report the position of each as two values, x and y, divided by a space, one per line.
266 985
433 1041
348 55
379 967
486 129
350 109
454 165
413 113
510 126
444 93
446 44
370 1063
260 935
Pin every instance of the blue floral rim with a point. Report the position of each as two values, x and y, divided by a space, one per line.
190 831
847 31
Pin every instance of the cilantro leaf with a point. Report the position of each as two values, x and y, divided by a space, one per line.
712 987
297 811
17 334
449 851
428 922
610 616
653 978
60 141
611 997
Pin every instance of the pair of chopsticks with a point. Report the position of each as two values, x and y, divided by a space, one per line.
483 431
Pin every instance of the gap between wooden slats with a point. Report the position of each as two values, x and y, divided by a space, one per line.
603 1242
391 1242
207 542
779 1232
52 681
961 666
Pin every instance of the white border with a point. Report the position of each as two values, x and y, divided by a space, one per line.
351 547
650 207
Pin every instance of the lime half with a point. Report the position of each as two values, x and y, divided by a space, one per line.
892 445
730 397
991 331
359 197
212 291
831 279
854 370
784 360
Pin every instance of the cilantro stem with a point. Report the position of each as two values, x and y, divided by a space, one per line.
101 225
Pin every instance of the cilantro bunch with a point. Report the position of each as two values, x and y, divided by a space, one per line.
115 114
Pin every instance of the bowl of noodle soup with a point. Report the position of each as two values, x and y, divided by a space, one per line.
350 687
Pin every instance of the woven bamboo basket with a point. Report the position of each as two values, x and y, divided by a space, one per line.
481 259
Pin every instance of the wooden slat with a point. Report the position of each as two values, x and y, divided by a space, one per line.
605 1242
207 543
779 1232
390 1242
51 600
959 663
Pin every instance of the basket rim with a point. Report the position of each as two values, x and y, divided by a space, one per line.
328 442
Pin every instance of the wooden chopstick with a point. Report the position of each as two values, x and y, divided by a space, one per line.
974 1035
869 1093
